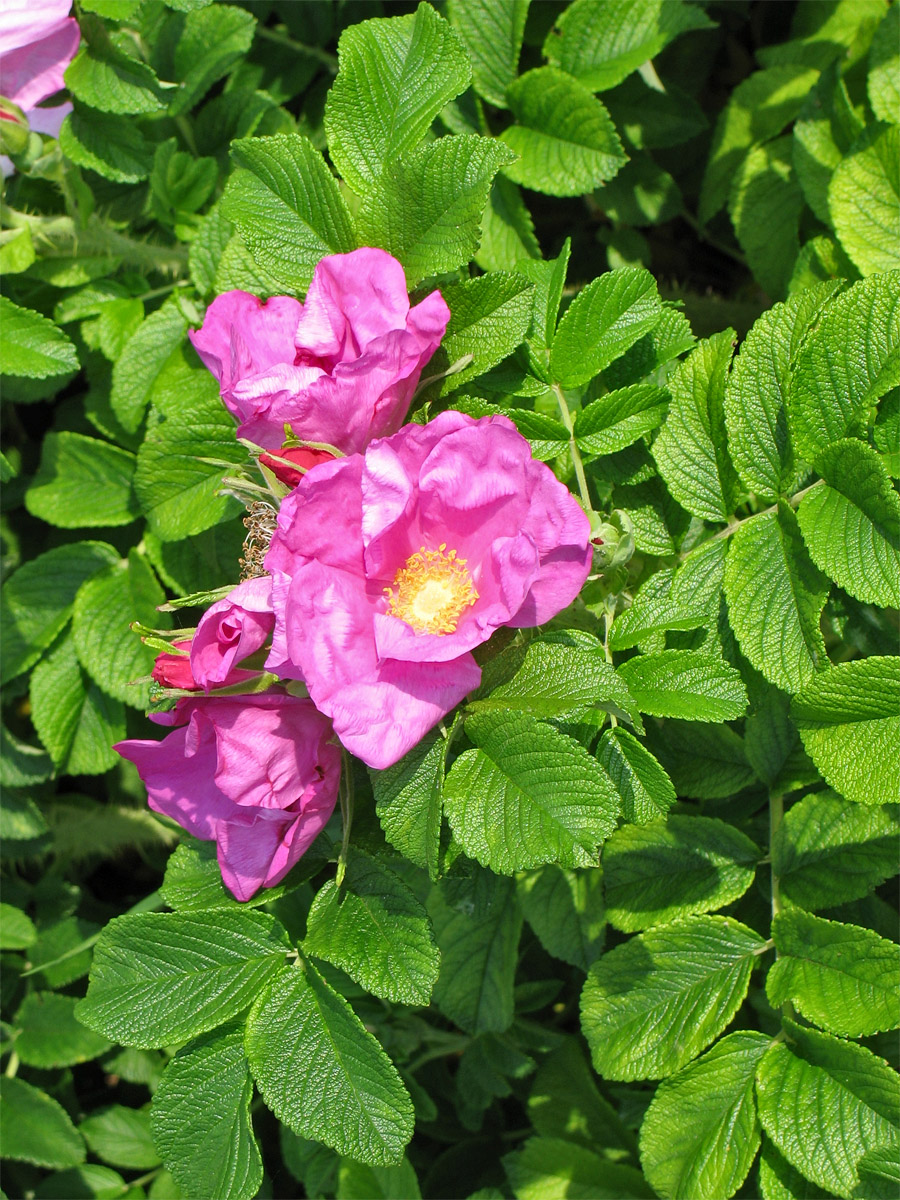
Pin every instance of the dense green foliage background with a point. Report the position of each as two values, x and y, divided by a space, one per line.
613 197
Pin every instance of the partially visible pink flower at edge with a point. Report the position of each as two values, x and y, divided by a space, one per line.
38 40
341 368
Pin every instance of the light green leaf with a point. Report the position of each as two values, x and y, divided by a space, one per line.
36 601
357 1181
547 1167
211 41
756 392
201 1118
565 910
36 1128
121 1136
477 922
884 68
851 523
193 882
643 785
17 252
489 317
527 795
685 683
829 850
50 1035
159 978
142 359
323 1074
864 200
395 76
74 719
107 143
642 193
375 929
507 230
666 869
602 322
90 1181
824 1102
690 449
822 135
619 418
775 597
879 1174
654 120
821 33
601 42
82 482
111 653
758 110
700 1135
287 207
841 977
491 31
33 347
107 78
850 359
778 1180
408 802
849 720
565 1102
669 338
17 931
563 135
765 205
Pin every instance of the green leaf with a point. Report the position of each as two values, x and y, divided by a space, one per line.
200 1118
829 850
142 359
849 720
565 910
82 482
209 44
554 1167
840 977
642 193
645 789
824 1103
670 337
653 1003
489 318
879 1174
620 418
491 31
821 33
20 818
74 719
193 882
602 322
408 802
864 199
477 923
685 683
17 931
779 1181
322 1073
107 143
287 207
667 600
104 76
565 1102
700 1135
36 1128
36 601
654 120
690 449
758 110
198 563
563 135
17 252
90 1181
850 359
851 523
33 347
706 762
111 653
375 929
356 1181
823 133
121 1136
666 869
756 392
527 795
50 1035
884 68
775 597
601 42
159 978
765 206
507 230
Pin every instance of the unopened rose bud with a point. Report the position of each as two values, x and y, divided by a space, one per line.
13 128
304 458
174 670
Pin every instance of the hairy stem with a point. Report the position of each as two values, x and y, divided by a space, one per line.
566 418
345 793
734 526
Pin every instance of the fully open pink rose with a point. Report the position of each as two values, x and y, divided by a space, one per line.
389 568
340 368
38 40
255 774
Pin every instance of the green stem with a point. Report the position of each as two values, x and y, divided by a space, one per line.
734 526
12 1066
149 904
776 816
184 128
283 39
345 792
566 417
64 239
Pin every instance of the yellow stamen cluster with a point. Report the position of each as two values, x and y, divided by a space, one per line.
431 590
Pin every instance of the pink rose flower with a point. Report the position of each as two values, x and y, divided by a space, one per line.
231 630
389 568
255 774
38 40
341 368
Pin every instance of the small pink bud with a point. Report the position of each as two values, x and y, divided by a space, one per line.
304 456
174 670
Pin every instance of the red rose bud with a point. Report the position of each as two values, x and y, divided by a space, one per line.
304 456
174 670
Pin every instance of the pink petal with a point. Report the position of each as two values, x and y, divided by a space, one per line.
25 21
35 71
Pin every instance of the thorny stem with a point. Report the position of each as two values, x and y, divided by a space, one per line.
573 446
734 526
65 239
345 792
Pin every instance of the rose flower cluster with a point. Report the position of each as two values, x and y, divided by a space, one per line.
397 550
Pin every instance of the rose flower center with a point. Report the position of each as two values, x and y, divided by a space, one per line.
431 590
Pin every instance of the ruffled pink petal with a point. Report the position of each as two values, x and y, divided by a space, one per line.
242 335
320 519
25 21
230 630
35 71
264 403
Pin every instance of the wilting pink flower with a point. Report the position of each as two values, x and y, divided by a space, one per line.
303 457
389 568
38 40
231 630
255 774
340 368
